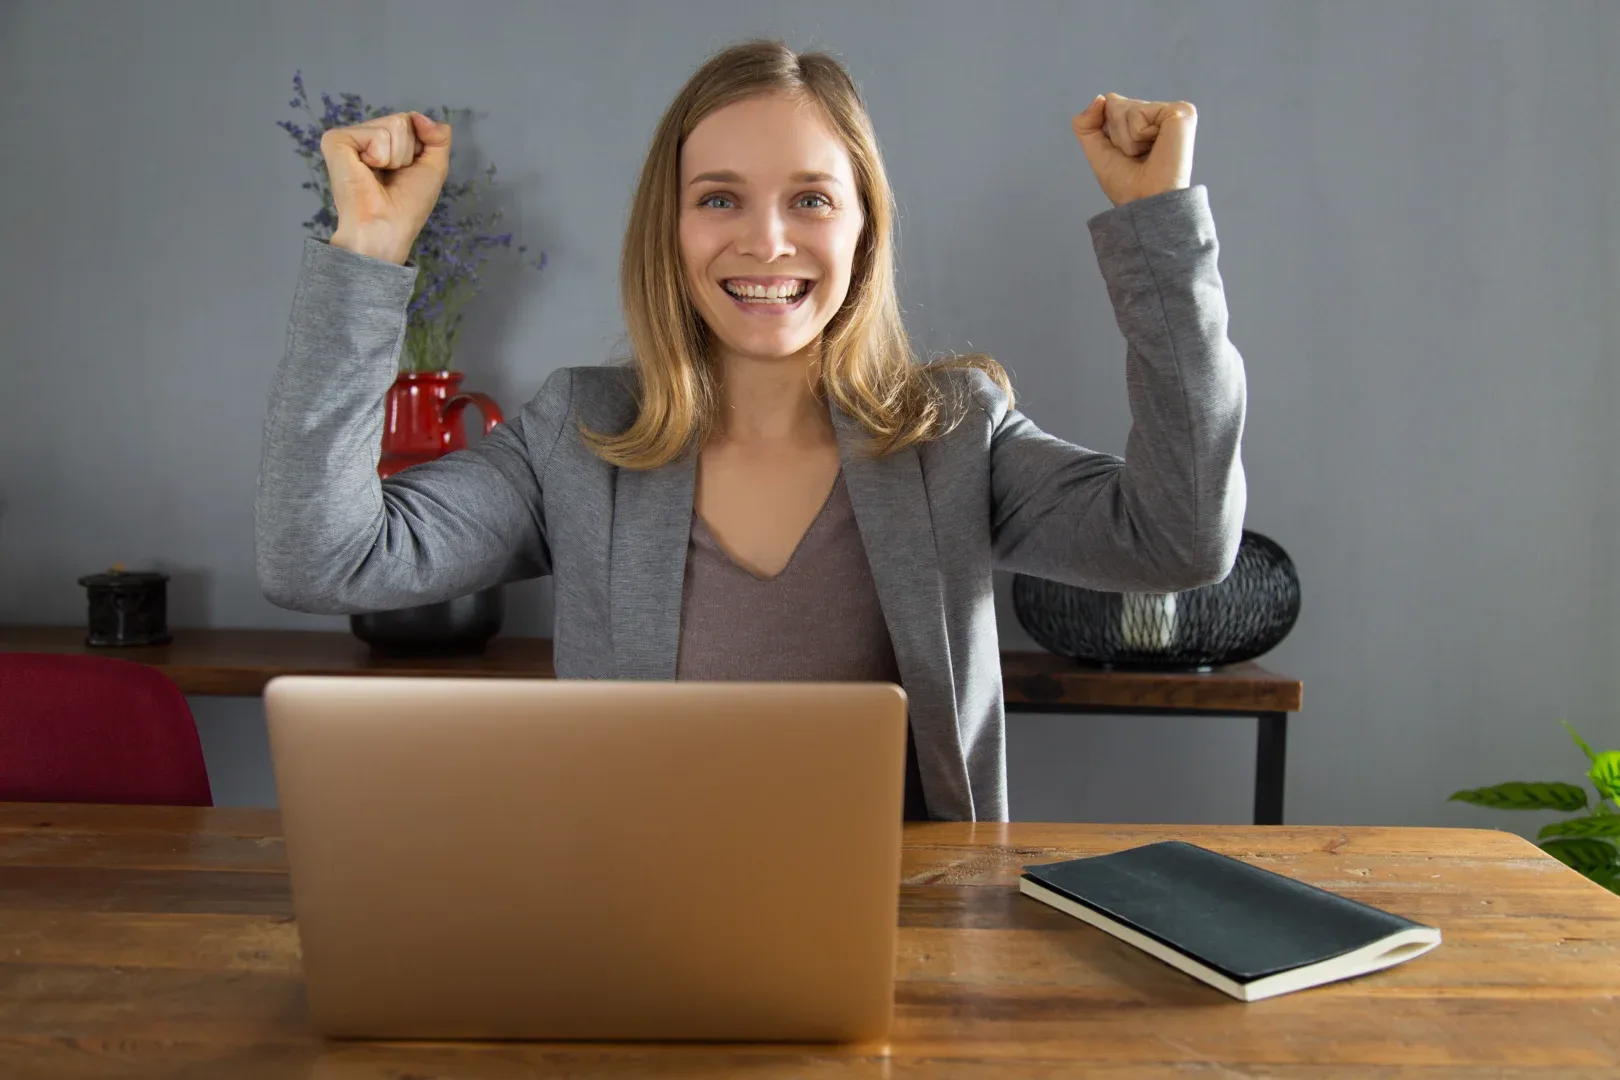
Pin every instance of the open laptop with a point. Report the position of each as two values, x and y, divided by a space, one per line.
574 859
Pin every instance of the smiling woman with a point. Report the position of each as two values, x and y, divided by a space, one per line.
764 182
773 488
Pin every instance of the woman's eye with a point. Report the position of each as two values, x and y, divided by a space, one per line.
816 201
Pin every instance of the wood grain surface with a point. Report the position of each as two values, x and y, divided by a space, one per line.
239 662
159 942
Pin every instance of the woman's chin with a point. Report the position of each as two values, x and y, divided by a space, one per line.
765 348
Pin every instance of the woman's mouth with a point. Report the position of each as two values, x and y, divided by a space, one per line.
778 297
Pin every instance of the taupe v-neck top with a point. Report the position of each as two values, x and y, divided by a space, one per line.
817 620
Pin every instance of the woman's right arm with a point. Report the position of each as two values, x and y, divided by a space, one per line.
333 538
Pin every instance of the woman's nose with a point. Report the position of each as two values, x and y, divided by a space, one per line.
765 235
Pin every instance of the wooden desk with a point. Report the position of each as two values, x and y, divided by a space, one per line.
240 662
159 942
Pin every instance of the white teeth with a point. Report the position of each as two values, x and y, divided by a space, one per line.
778 293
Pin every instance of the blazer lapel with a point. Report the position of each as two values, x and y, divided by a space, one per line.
652 526
897 530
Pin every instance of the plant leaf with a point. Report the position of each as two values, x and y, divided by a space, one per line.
1580 742
1596 825
1605 773
1515 795
1584 854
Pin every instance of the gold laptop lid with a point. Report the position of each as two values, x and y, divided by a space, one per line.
529 858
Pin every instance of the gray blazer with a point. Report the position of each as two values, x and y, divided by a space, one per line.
997 492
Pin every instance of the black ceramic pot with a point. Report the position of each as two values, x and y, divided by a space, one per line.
458 627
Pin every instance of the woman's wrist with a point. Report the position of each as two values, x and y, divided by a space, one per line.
372 247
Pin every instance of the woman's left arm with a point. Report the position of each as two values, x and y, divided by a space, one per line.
1169 516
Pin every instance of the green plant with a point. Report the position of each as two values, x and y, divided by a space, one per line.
1586 843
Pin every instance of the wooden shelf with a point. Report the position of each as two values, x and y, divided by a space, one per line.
233 662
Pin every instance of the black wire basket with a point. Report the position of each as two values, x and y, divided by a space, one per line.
1241 617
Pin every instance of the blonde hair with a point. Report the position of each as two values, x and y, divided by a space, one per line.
867 364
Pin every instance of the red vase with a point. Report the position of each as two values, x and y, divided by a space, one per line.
422 418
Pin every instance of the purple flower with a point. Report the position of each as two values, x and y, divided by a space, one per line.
451 247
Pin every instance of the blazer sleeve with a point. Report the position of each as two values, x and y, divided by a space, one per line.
330 536
1169 515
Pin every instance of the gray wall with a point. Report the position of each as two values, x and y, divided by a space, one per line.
1417 204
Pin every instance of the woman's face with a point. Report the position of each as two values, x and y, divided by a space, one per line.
770 218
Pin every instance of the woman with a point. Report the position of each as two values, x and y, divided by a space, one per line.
774 489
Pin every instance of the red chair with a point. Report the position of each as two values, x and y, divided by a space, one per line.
96 729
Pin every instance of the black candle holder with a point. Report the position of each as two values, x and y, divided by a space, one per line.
128 608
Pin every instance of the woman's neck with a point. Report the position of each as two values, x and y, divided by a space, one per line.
772 401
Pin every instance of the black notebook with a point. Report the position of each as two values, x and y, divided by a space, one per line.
1238 927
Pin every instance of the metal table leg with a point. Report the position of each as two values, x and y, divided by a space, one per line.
1270 764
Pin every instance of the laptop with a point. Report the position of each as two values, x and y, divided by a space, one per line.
576 859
